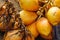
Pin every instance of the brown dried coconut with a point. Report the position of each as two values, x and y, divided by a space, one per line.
9 19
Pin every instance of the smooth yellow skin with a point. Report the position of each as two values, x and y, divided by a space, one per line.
28 17
43 26
53 15
57 3
32 29
30 5
47 37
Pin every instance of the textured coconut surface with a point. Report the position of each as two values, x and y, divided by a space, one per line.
16 5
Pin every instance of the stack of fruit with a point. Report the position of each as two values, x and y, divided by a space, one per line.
44 16
36 18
